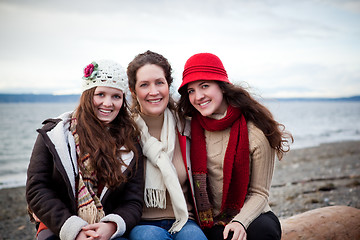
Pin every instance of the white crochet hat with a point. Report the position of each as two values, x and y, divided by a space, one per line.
105 73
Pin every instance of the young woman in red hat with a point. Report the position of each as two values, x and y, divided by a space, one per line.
234 140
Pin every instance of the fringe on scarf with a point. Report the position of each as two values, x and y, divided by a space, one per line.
91 213
177 225
155 198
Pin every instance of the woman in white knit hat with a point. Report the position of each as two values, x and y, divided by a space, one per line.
85 177
169 212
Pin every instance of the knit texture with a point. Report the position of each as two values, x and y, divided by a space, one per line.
236 165
155 124
262 160
107 73
89 206
160 173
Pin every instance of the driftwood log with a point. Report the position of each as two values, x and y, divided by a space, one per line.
334 222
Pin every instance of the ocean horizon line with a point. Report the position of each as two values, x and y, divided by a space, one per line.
33 97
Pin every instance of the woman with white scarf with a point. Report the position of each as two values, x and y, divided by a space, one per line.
169 211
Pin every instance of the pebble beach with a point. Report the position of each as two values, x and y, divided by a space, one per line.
305 179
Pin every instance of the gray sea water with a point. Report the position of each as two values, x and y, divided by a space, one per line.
311 123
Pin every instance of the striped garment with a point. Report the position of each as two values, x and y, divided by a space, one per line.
89 206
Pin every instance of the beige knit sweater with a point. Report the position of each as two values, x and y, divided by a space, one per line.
155 124
262 158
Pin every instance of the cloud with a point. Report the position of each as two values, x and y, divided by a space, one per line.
45 44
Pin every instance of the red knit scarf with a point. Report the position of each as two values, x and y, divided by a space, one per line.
236 165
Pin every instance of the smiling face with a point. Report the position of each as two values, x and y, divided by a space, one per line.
207 97
152 90
107 103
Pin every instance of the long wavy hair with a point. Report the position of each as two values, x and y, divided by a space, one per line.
104 140
252 110
141 60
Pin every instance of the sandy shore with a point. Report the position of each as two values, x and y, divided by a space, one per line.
305 179
316 177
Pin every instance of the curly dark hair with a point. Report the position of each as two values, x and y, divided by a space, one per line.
139 61
253 111
104 140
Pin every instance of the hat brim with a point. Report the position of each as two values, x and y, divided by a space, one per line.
208 76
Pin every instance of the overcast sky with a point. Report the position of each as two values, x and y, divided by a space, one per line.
285 48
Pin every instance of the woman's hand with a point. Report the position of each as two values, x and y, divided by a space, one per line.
35 218
98 231
237 229
87 235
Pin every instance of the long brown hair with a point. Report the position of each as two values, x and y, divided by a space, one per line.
141 60
103 141
253 111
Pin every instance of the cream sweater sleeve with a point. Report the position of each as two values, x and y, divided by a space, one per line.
262 159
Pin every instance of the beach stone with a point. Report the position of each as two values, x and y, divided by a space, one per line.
334 222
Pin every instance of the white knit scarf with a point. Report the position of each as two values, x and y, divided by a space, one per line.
160 172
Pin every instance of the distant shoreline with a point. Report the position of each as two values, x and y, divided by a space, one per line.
32 98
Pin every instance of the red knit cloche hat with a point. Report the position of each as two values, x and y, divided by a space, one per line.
203 66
